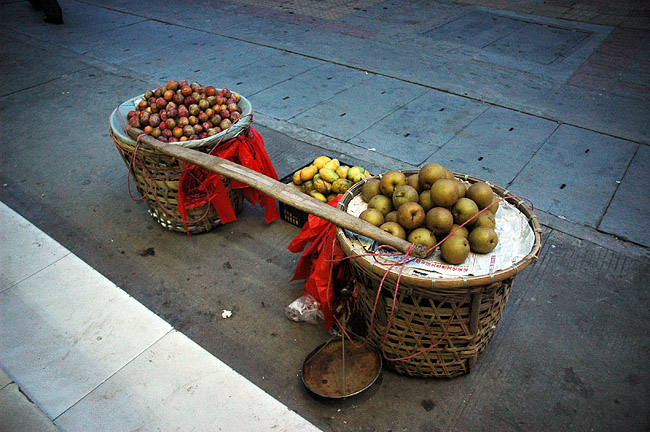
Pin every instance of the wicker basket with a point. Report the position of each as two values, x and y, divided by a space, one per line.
157 177
468 308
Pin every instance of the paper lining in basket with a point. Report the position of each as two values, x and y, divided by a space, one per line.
516 239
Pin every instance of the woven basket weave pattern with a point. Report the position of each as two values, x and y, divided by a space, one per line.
419 320
157 176
424 307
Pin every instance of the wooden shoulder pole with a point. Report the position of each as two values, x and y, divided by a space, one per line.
279 191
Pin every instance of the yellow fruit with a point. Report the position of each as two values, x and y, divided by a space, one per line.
322 186
319 196
395 229
341 186
354 172
342 171
307 186
328 175
330 197
333 164
320 161
422 236
308 173
296 178
372 216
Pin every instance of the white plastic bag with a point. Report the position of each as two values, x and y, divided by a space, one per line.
305 308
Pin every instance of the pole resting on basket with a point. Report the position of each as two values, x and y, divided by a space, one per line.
281 192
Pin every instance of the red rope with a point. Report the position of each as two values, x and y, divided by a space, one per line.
149 179
404 259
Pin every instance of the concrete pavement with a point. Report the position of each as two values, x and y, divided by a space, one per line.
548 99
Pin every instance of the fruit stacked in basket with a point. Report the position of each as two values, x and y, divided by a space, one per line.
432 205
182 111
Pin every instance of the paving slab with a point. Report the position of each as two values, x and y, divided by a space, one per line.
133 39
20 61
18 414
20 258
302 92
496 146
264 73
476 29
563 355
356 109
622 117
199 56
631 202
177 384
67 329
80 19
575 174
4 379
415 131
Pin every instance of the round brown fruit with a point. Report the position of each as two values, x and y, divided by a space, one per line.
395 229
391 216
481 193
390 181
459 230
455 249
444 193
410 215
372 216
439 220
422 236
429 173
483 239
464 210
412 180
425 201
485 219
404 194
381 203
369 189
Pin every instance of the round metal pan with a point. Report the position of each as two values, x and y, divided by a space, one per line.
336 369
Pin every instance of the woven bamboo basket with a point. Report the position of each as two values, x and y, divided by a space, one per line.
468 308
157 176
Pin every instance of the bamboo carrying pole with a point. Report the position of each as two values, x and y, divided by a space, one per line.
279 191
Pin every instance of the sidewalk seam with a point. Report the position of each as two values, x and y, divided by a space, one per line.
171 330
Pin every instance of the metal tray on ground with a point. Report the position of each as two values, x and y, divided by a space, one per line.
337 369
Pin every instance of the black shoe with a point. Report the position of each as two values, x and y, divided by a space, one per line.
53 13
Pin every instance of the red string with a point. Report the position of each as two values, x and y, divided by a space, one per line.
404 259
149 179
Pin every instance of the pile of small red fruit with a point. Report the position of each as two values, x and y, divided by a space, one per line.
178 111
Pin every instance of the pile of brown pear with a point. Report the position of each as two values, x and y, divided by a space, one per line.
427 206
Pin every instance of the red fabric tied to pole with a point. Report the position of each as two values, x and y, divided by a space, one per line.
321 265
198 186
